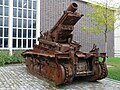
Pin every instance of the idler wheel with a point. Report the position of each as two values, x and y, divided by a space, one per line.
57 74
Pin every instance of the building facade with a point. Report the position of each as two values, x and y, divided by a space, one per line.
17 24
117 39
52 10
22 20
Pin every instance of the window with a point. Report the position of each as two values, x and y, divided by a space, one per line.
30 4
19 12
34 42
34 24
24 43
24 13
1 42
29 33
19 43
14 43
34 14
19 22
20 3
20 33
24 23
1 2
6 43
24 3
1 21
34 33
14 3
24 33
6 11
29 43
34 4
29 13
29 23
14 33
1 10
6 2
5 21
14 22
5 32
1 32
14 12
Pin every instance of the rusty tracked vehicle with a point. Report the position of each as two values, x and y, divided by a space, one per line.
58 58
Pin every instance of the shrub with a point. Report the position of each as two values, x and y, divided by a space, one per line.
16 57
5 58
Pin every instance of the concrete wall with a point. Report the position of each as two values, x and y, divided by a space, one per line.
51 11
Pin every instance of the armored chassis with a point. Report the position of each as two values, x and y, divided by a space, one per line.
58 58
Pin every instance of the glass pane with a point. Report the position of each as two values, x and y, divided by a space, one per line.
14 22
19 43
6 2
1 21
1 10
14 3
1 2
19 3
24 3
14 32
1 32
19 12
6 11
34 24
29 33
29 43
19 22
19 32
24 23
34 14
29 13
24 13
34 42
14 12
24 33
34 5
24 43
5 21
34 33
14 43
0 42
5 32
30 4
29 23
6 42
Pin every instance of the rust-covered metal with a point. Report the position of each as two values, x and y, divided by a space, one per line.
59 59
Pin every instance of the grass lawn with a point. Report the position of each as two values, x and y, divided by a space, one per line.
114 70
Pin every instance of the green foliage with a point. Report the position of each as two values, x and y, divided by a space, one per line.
101 18
5 58
16 57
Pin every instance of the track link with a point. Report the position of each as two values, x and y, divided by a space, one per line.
68 74
104 70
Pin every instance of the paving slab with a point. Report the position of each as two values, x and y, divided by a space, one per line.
16 77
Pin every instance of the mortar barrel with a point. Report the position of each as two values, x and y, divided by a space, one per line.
72 7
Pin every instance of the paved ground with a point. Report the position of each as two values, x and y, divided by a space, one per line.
15 77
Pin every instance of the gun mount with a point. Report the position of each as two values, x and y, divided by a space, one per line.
58 58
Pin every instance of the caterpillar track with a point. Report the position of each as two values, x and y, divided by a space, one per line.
58 58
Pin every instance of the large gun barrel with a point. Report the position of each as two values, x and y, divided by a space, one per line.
72 7
61 32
